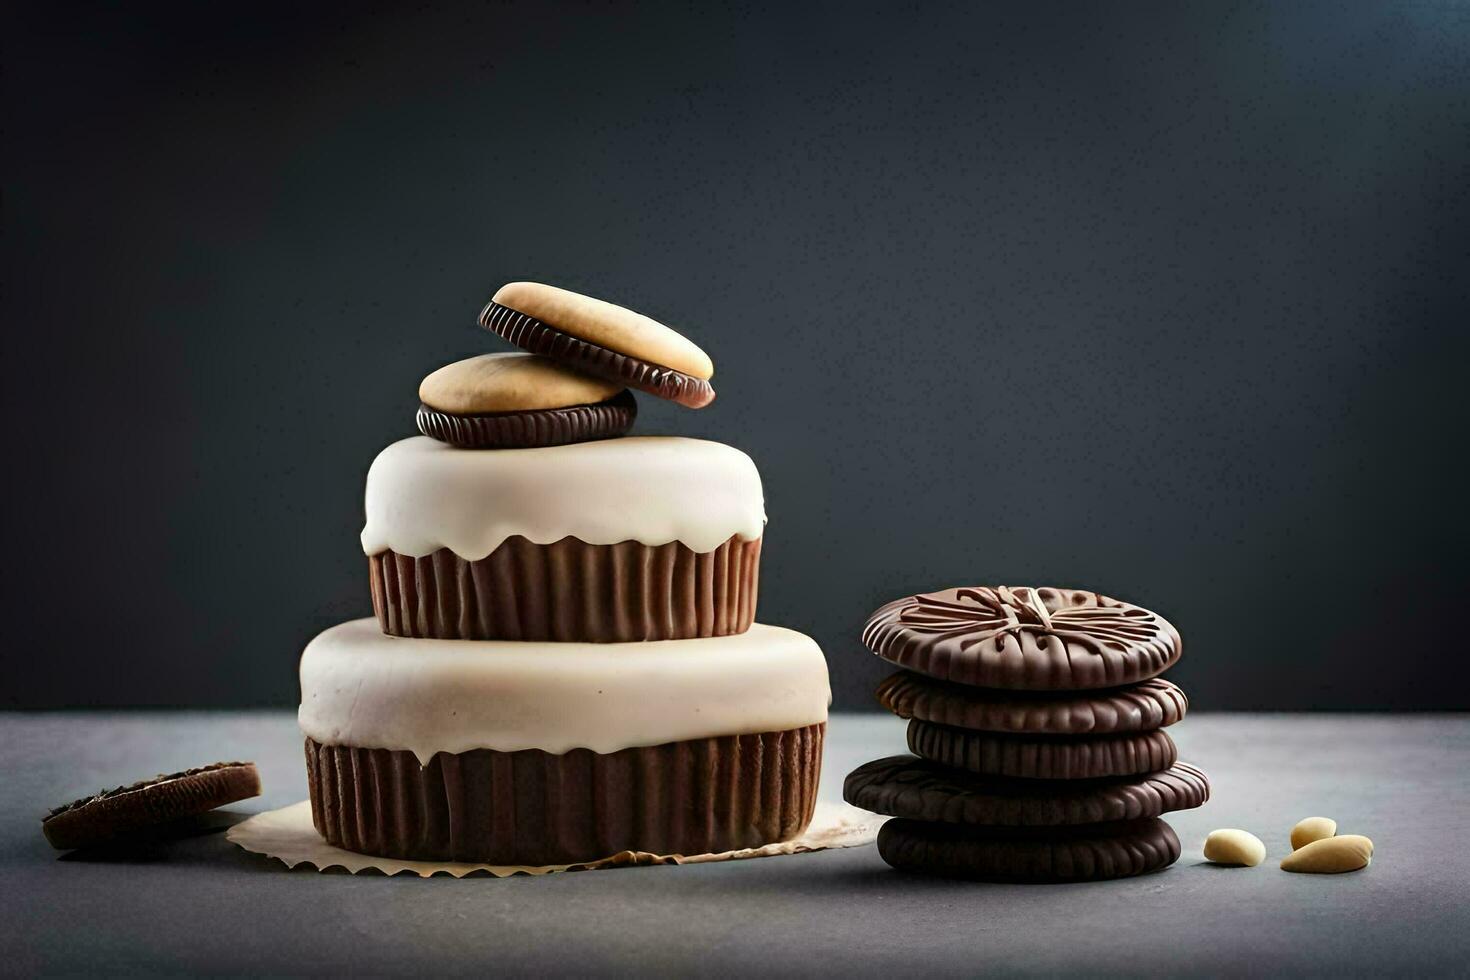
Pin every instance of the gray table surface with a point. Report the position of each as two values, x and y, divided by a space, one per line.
203 906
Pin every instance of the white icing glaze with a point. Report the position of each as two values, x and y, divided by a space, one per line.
423 495
360 687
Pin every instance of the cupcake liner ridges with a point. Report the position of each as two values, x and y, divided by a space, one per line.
535 808
569 591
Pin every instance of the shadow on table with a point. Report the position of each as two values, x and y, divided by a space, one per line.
849 874
197 840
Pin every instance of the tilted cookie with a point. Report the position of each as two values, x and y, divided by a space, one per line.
601 338
120 813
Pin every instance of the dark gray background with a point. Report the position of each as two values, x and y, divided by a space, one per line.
1165 301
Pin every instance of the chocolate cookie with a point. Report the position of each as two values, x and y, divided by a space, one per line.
517 401
1023 638
524 430
1042 756
1143 707
119 813
1091 853
602 339
903 786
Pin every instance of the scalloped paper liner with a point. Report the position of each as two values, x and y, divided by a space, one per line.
287 835
569 591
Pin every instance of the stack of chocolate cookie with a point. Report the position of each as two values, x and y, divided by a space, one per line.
1036 719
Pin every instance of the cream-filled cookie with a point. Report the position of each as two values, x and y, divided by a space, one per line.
511 383
516 401
601 338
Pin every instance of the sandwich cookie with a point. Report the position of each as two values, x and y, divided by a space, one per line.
1023 638
917 789
519 401
1090 853
1042 756
118 814
1144 707
602 339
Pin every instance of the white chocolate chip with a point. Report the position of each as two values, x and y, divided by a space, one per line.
1310 829
1330 855
1237 847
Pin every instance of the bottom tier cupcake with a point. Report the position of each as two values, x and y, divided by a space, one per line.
542 753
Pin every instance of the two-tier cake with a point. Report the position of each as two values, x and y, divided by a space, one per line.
564 662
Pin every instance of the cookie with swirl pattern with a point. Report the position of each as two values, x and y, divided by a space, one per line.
1024 638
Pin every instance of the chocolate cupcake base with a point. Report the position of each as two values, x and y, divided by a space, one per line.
569 591
533 808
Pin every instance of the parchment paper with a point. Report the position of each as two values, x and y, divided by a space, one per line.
288 836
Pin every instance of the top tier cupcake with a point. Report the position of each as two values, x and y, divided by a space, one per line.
523 517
